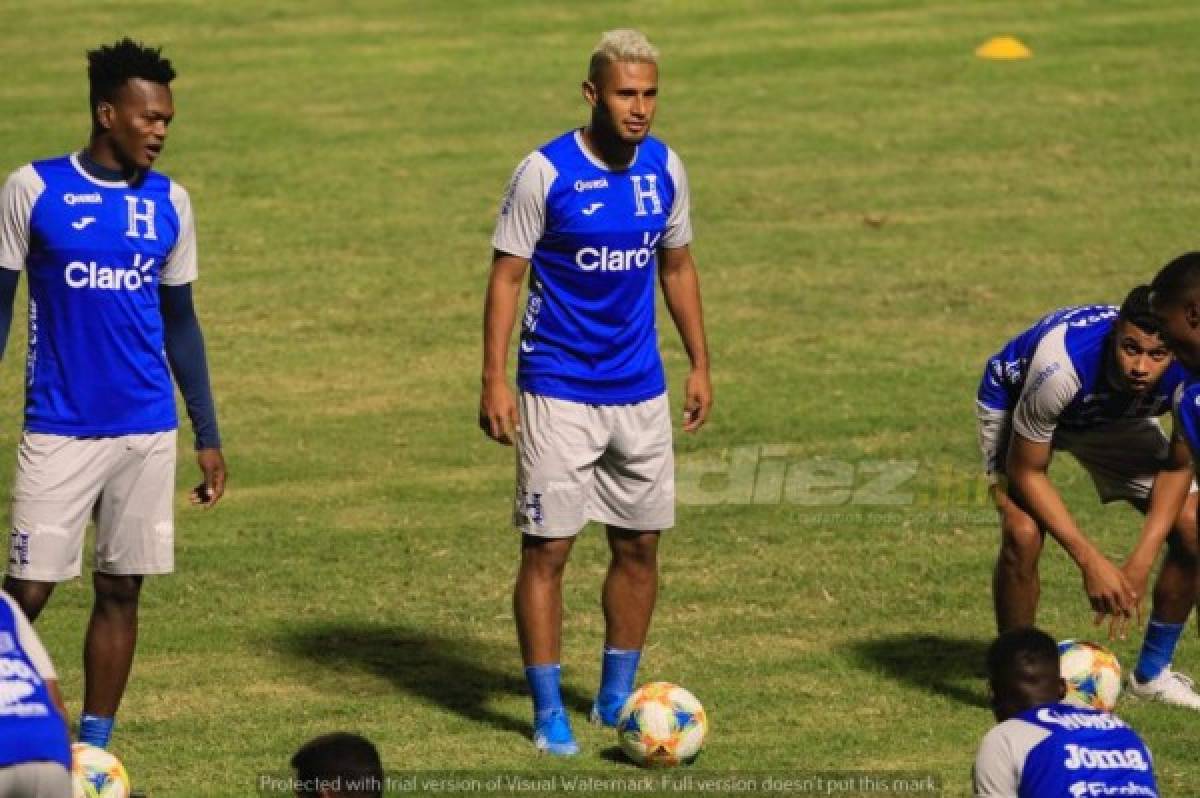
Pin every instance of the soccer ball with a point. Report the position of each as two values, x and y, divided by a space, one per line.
97 774
662 725
1092 673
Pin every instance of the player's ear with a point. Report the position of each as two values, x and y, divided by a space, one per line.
1062 689
104 114
591 92
1191 312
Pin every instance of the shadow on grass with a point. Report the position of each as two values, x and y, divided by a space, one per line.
460 675
934 663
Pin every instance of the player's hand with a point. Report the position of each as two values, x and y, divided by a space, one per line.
498 412
698 400
212 466
1137 573
1109 593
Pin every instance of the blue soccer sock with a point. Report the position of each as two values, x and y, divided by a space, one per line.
544 681
1158 648
95 730
618 670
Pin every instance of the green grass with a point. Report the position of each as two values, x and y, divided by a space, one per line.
345 163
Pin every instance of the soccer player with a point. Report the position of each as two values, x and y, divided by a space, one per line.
1091 380
109 246
338 765
598 212
1043 747
35 749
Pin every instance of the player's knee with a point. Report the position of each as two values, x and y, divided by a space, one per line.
1182 544
30 596
1021 541
117 591
547 559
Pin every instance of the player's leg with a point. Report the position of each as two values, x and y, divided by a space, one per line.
1175 593
635 496
537 598
1123 460
135 535
556 450
628 597
1016 585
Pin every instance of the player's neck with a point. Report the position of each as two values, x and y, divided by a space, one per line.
606 146
99 159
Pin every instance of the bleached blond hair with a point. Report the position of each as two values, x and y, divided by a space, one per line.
623 44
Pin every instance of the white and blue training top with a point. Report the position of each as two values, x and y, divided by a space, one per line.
96 252
31 727
1063 751
592 236
1060 373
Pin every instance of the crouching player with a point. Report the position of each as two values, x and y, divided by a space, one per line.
1044 747
1091 380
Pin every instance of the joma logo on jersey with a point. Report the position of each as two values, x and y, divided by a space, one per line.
104 278
1079 756
643 194
590 259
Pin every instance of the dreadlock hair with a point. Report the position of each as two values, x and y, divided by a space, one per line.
110 66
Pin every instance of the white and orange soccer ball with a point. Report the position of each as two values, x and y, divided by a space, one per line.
95 773
1092 674
662 725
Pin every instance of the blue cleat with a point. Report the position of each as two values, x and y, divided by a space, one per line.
552 734
607 709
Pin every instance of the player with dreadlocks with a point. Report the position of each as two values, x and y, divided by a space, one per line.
109 246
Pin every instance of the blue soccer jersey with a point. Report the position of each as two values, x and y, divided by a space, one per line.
95 252
1063 751
31 728
1187 415
592 235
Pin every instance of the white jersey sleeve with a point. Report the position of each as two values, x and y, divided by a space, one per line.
17 197
1052 383
28 640
181 266
992 425
1000 762
522 219
679 222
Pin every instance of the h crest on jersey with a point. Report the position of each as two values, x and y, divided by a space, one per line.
649 193
141 222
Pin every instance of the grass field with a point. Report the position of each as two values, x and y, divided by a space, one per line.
875 211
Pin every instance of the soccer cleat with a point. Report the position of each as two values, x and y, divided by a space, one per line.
1169 687
552 734
606 713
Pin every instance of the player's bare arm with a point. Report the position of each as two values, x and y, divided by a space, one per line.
497 404
1107 588
1167 498
681 290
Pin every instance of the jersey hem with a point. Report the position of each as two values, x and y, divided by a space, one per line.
99 432
588 398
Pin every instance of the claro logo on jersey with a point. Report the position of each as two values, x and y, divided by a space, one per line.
105 278
606 259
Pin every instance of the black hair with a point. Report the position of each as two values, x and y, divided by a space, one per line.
347 764
110 66
1177 281
1136 310
1022 656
